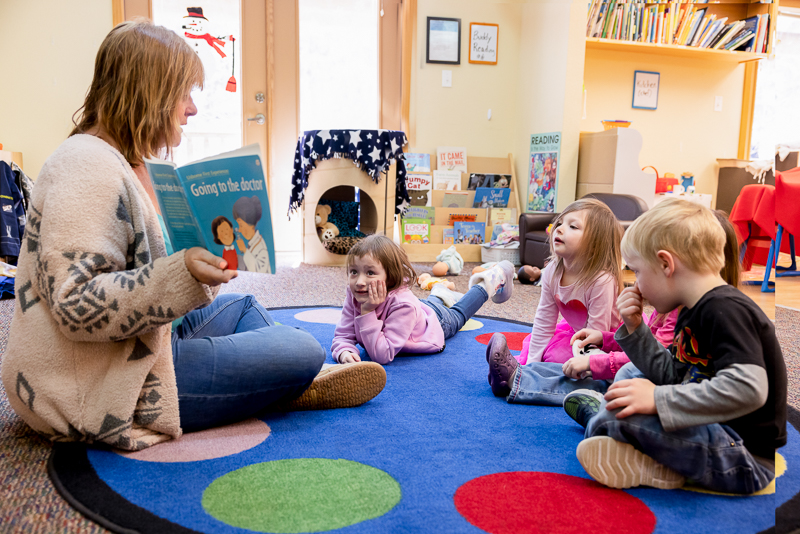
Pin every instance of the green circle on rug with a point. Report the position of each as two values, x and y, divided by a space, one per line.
302 495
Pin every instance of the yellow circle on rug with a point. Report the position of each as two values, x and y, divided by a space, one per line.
301 495
471 324
780 468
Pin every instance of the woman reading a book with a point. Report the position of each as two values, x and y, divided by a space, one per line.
91 354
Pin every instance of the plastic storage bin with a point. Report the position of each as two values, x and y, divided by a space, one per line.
499 254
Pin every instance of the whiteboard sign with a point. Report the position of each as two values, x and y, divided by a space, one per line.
645 89
483 43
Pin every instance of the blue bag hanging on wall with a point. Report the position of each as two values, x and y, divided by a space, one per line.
12 213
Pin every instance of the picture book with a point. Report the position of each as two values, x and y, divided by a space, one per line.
447 236
427 213
218 203
447 180
417 162
503 216
469 233
543 172
488 180
419 188
451 158
491 197
455 199
460 217
416 231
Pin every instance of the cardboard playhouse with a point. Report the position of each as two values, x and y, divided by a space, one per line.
340 180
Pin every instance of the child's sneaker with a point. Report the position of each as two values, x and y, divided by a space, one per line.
340 386
502 365
582 405
619 465
448 296
497 281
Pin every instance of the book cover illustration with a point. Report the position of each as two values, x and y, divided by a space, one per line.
218 203
460 217
480 180
503 215
450 158
455 199
418 162
491 197
419 188
427 213
416 231
447 236
543 171
447 180
469 233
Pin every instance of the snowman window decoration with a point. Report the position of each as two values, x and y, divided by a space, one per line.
195 33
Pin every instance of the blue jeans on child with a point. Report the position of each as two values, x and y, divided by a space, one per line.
712 456
453 319
544 383
232 361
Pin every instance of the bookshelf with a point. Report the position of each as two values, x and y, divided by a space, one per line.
733 10
427 252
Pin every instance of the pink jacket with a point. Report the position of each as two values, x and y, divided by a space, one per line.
605 366
400 324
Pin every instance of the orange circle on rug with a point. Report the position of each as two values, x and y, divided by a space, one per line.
529 502
514 339
206 444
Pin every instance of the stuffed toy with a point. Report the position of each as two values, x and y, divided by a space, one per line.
449 261
327 231
321 214
426 282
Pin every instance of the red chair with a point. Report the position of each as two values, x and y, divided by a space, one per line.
753 217
787 215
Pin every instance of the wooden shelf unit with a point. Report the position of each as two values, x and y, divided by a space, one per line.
733 10
427 252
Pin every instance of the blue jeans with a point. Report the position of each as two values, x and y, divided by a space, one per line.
544 383
712 456
453 319
232 361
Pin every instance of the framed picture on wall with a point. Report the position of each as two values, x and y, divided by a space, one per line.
645 89
443 43
483 43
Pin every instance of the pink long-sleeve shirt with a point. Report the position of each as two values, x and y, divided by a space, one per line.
605 366
400 324
591 306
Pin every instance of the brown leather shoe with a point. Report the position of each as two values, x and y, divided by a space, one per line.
341 386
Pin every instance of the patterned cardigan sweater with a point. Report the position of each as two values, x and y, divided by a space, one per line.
89 356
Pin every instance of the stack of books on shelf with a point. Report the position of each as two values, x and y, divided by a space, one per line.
677 23
450 206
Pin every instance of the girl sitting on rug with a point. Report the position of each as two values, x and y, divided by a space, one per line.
91 354
382 314
550 384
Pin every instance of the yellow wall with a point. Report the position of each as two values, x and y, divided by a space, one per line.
48 56
684 134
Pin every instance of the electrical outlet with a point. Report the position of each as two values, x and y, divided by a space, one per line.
447 78
717 103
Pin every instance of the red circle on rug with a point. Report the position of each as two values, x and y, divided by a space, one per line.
514 339
532 502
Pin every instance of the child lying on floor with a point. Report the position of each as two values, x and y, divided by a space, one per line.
382 314
712 410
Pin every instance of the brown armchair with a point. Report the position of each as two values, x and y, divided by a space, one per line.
534 246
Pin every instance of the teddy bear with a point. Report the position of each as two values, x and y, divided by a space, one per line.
327 231
321 214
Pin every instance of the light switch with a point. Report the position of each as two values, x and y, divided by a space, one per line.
447 78
717 103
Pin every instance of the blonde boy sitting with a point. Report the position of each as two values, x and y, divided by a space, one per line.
711 410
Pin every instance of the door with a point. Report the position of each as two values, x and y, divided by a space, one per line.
230 37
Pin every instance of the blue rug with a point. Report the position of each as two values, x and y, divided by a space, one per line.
434 452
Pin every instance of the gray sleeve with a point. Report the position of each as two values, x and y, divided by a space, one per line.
647 354
734 391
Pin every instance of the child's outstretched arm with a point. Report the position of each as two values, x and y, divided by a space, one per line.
344 337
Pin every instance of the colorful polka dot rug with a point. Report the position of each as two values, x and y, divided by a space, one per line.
434 452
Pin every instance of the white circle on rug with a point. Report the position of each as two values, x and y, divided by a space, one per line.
472 324
206 444
321 315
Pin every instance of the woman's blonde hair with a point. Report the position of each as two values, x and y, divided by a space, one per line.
399 272
141 73
688 230
600 245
